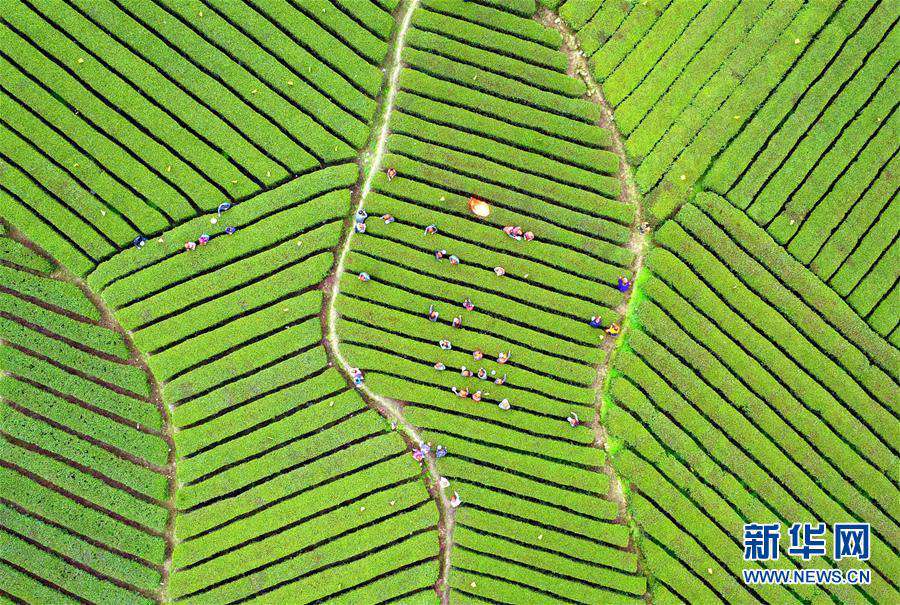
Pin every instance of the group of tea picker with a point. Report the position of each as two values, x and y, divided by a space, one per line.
483 373
614 328
359 226
140 241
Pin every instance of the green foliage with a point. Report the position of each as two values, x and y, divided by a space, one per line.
576 13
506 18
435 45
727 383
81 480
756 377
13 252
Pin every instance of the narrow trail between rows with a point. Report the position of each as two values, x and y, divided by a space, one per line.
136 358
578 67
370 162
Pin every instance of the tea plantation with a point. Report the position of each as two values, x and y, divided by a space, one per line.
448 301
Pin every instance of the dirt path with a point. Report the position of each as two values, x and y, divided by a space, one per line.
371 164
578 67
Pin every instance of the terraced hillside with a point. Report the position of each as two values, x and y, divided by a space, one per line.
798 426
127 118
142 119
785 109
536 522
285 476
746 388
86 463
269 330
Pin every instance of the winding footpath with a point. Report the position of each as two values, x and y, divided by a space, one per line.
578 67
371 164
